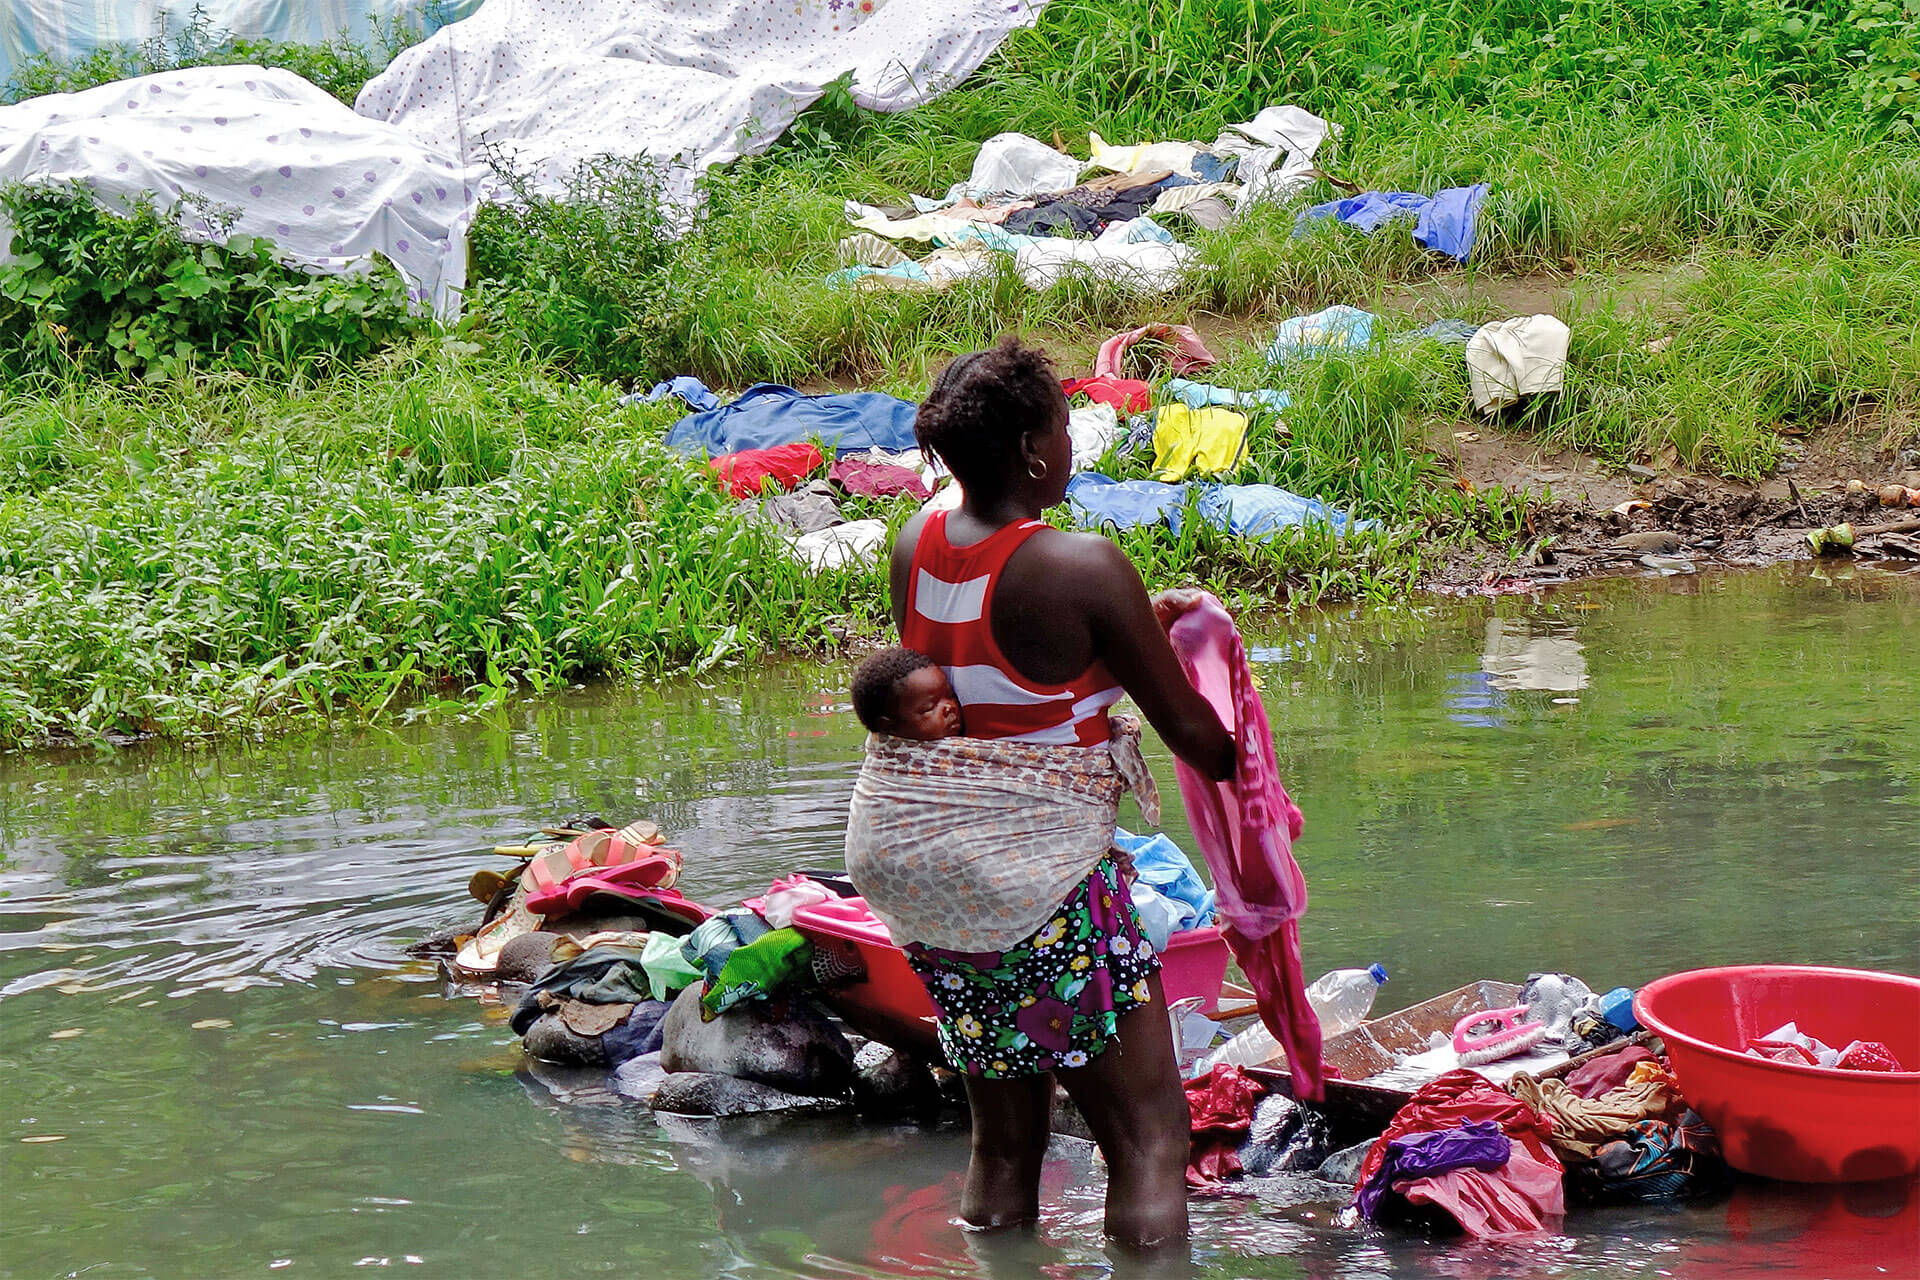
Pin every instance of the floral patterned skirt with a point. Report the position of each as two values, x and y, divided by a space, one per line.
1050 1000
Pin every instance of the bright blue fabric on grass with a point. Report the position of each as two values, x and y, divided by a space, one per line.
1256 510
769 414
1443 222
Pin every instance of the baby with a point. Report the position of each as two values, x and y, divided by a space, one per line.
903 693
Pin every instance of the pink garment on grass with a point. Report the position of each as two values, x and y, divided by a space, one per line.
1514 1199
1189 352
1246 827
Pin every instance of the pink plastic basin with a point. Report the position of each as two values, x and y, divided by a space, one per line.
1194 962
1784 1120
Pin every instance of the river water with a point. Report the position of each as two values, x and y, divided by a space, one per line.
218 1061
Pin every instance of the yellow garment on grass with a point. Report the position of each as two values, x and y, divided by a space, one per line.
1146 156
1206 440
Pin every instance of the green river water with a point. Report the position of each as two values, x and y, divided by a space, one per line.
215 1059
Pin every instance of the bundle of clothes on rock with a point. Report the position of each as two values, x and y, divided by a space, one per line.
1052 216
703 1010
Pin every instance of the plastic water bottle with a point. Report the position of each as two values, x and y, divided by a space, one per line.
1342 998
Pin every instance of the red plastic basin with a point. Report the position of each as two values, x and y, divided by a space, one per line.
1194 962
1780 1119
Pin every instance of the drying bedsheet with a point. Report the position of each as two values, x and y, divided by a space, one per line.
329 188
69 29
688 83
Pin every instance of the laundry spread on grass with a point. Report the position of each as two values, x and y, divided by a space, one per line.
1442 222
1050 216
277 157
553 84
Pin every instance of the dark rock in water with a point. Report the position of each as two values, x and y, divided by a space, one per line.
1343 1166
1066 1117
698 1093
444 941
525 958
555 1041
1286 1137
785 1043
889 1084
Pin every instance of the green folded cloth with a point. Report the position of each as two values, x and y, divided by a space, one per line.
667 970
757 970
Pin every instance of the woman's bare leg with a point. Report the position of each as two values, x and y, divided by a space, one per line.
1134 1103
1012 1120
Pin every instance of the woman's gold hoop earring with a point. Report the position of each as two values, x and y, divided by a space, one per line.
1041 474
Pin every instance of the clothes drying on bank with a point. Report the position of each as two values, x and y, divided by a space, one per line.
769 414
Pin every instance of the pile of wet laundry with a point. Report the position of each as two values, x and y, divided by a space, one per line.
1051 215
1484 1149
604 963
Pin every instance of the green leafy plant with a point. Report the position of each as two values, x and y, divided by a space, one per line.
126 293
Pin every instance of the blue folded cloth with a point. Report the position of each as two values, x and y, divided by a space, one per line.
769 414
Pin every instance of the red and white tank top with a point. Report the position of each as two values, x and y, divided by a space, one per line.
949 618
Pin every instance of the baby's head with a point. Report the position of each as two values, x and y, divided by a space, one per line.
903 692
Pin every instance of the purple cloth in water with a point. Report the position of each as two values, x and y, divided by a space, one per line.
1478 1144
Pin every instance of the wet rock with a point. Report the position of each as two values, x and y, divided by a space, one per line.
1066 1117
889 1084
553 1040
785 1043
1639 472
1343 1166
640 1078
444 941
1285 1137
700 1093
525 958
1655 542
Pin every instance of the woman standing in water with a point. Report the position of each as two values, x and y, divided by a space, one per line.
989 859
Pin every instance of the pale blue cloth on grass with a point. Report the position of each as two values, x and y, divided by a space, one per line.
1257 510
1100 500
1309 335
1198 395
1443 222
769 414
691 390
1244 510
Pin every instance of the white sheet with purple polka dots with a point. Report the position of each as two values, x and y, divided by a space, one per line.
688 83
329 187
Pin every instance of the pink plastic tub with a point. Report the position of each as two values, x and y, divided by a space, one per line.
1193 964
1783 1120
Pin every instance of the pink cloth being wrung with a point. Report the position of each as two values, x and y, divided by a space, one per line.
1246 827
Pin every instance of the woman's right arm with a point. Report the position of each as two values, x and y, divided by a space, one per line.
1129 637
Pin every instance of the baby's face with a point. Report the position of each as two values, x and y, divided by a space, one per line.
924 707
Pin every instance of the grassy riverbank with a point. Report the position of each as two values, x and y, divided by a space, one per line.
1724 200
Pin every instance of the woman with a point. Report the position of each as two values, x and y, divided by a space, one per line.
989 860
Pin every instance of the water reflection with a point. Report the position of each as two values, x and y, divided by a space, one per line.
1527 653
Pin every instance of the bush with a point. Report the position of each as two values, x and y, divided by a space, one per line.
100 292
597 280
341 67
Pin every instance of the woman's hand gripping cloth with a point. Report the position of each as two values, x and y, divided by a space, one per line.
1246 827
970 844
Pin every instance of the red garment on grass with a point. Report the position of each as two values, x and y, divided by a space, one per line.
1126 395
741 474
1452 1100
1220 1106
877 479
1605 1074
1189 352
1246 827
